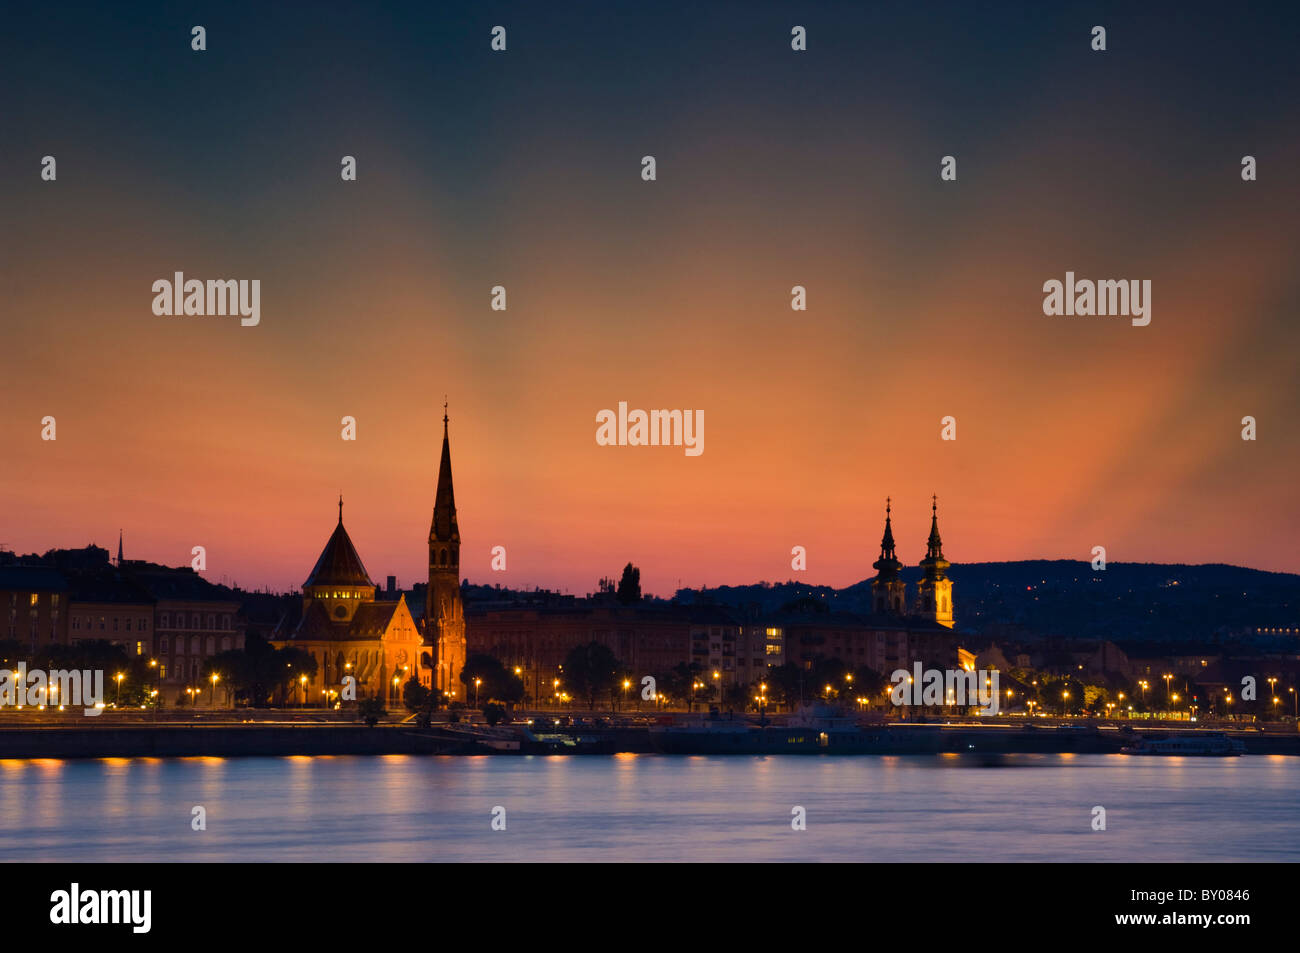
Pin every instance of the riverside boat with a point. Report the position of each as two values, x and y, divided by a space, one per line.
816 729
1208 744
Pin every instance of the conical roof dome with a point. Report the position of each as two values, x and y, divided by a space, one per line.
339 564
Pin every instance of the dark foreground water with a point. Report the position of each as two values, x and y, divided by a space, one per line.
657 808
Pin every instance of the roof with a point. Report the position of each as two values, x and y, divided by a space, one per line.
372 620
108 586
32 579
179 584
339 564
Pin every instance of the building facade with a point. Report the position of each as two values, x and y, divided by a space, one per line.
348 632
33 600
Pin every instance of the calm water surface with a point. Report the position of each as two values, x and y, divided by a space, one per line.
652 807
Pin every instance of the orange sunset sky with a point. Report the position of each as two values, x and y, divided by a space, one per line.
924 297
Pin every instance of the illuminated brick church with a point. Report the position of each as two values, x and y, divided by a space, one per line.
349 632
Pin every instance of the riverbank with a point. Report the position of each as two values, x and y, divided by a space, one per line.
279 739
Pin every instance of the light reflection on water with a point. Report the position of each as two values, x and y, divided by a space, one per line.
655 808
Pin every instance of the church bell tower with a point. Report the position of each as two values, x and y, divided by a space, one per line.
444 611
888 591
934 597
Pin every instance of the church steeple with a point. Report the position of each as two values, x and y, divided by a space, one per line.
888 591
444 611
119 548
444 528
934 592
888 561
934 561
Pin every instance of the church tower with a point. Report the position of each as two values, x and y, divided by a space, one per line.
444 611
888 591
934 597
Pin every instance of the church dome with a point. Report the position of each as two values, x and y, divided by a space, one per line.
339 564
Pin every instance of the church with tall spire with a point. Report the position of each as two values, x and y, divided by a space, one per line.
444 609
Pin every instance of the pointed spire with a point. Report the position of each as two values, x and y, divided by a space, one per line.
934 546
119 548
340 509
444 526
887 565
887 541
934 564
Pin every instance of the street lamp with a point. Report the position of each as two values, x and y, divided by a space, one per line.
212 693
302 688
117 701
153 663
477 683
1167 679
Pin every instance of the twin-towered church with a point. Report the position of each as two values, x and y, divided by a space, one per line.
380 643
934 590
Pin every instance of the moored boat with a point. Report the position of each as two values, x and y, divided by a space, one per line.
1189 744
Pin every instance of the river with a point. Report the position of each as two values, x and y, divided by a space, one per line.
652 808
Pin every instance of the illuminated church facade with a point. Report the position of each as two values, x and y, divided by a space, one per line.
350 632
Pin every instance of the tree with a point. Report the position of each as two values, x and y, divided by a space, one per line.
497 683
591 670
370 709
629 587
785 684
414 695
679 683
735 695
868 683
